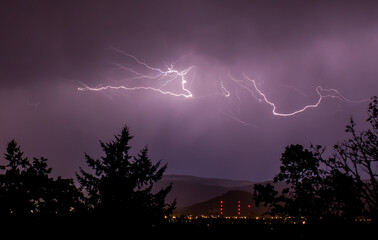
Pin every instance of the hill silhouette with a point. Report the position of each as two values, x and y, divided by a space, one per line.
201 196
188 190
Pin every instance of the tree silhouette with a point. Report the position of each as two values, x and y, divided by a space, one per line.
267 195
15 197
340 187
300 171
356 160
120 186
341 196
28 191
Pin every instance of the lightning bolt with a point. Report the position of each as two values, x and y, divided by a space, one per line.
164 80
162 77
225 92
321 92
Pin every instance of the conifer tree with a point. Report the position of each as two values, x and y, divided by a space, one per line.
120 186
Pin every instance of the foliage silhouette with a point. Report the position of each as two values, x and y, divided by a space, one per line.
333 188
27 191
120 186
300 199
356 159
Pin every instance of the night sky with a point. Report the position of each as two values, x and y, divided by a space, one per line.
49 49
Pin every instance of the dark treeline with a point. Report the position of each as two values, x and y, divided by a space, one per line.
116 190
340 188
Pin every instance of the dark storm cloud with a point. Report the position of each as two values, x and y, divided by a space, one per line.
71 36
48 48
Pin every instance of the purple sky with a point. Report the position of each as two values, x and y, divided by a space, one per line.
48 49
